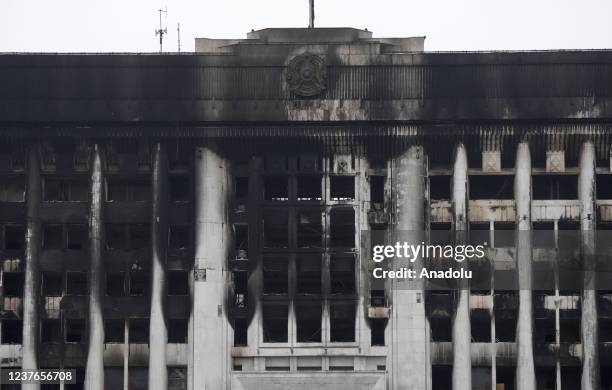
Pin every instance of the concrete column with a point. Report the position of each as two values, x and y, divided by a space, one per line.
462 334
525 370
158 333
589 328
210 344
410 344
94 371
31 286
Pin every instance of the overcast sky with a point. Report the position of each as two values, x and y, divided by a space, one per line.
129 25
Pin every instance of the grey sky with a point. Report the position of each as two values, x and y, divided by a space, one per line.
129 25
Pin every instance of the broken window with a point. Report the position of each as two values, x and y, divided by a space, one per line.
342 187
76 283
342 322
240 332
241 240
139 330
140 236
241 188
178 283
65 190
12 331
52 236
308 322
115 284
177 330
75 330
178 237
51 331
342 227
180 188
114 331
481 325
441 329
309 274
309 188
275 228
77 236
342 274
12 189
138 283
52 284
309 229
275 277
274 322
554 187
377 189
276 188
121 190
13 284
491 187
440 187
14 238
377 331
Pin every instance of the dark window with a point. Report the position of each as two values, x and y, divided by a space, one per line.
139 330
51 331
440 187
241 237
116 236
128 190
75 331
441 329
604 186
77 236
342 322
140 236
274 323
65 190
377 189
491 187
179 237
241 188
115 284
138 283
275 275
309 229
12 189
276 188
76 283
554 187
180 188
309 275
114 331
377 329
178 283
308 322
12 331
52 237
13 284
342 187
481 326
275 228
14 237
177 330
52 284
342 227
309 188
342 274
240 332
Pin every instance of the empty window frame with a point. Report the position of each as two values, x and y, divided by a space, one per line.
554 187
139 283
309 229
309 188
128 237
12 189
491 186
65 190
275 275
76 283
342 227
115 284
52 284
481 325
604 186
240 279
12 331
342 188
77 236
275 228
441 329
308 322
12 282
240 332
177 330
308 274
377 189
51 331
276 188
440 187
178 282
52 236
139 330
121 190
114 331
342 274
275 323
178 237
74 331
241 237
179 188
342 322
377 331
14 237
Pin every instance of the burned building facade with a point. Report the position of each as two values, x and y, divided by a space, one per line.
195 220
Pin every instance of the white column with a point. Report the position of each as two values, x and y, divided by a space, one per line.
462 335
94 371
410 344
210 344
525 370
589 327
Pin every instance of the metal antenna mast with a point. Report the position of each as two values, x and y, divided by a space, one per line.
178 34
162 31
312 15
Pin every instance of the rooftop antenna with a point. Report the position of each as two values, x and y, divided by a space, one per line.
162 31
178 34
312 16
